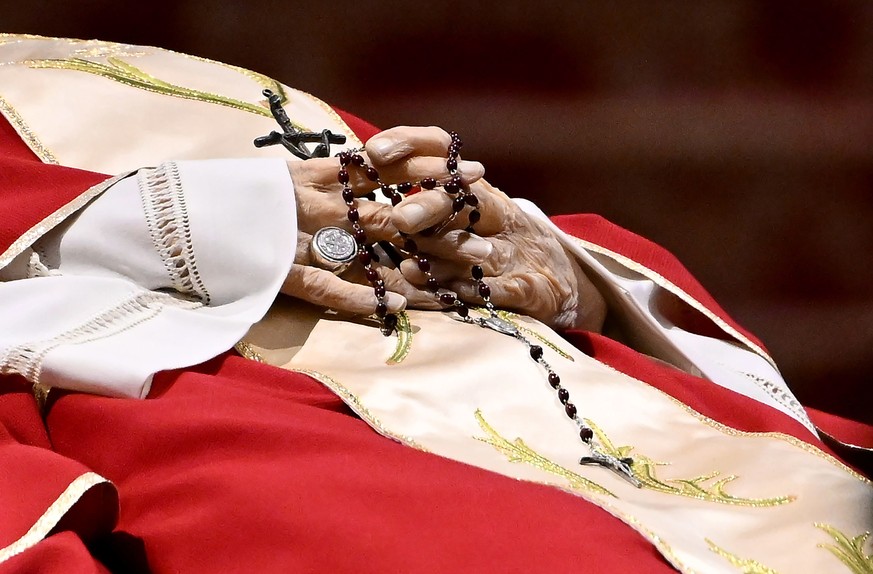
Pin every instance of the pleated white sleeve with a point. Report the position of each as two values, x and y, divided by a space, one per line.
168 268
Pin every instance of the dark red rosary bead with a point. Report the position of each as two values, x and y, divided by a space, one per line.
348 195
410 245
404 187
474 217
381 309
432 284
471 200
554 380
379 290
563 396
477 272
364 257
484 290
447 299
343 176
586 434
386 190
345 158
428 183
458 203
389 322
358 160
360 236
536 352
452 164
452 187
353 215
396 199
570 409
372 275
423 264
461 309
372 174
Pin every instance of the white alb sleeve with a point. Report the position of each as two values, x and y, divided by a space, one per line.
166 269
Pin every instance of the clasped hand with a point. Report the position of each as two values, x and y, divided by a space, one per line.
525 264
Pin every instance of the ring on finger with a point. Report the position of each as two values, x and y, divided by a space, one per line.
333 249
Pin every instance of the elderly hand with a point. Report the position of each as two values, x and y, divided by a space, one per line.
400 154
525 264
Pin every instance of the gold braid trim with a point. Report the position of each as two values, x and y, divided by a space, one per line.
50 518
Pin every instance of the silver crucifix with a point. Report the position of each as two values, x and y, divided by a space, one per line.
621 466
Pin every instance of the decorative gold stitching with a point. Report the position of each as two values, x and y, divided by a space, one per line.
120 71
404 339
745 565
47 224
26 134
849 551
697 487
352 401
517 451
53 514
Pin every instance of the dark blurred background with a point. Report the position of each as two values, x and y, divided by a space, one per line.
736 133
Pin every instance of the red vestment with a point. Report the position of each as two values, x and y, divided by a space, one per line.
234 466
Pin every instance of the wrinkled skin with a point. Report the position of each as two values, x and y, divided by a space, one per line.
525 264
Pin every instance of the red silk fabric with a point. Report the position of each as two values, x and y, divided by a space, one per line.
30 190
236 466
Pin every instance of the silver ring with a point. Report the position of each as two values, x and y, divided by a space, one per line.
333 249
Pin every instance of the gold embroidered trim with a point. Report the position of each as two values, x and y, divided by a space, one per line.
517 451
248 352
352 401
663 282
53 514
404 339
697 487
849 551
54 219
26 134
712 423
745 565
120 71
40 394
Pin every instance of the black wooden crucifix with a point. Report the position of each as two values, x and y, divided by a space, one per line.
293 139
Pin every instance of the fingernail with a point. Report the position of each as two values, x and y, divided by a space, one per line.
412 214
476 247
471 170
384 147
395 301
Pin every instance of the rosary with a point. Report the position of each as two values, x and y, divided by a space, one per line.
337 248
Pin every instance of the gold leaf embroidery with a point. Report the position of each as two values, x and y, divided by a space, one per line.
709 487
122 72
850 551
518 451
404 339
745 565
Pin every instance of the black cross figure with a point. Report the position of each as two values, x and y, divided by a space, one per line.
293 139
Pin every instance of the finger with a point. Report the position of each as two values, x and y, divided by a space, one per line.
457 245
304 242
402 141
444 272
432 208
417 168
530 293
316 210
321 287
